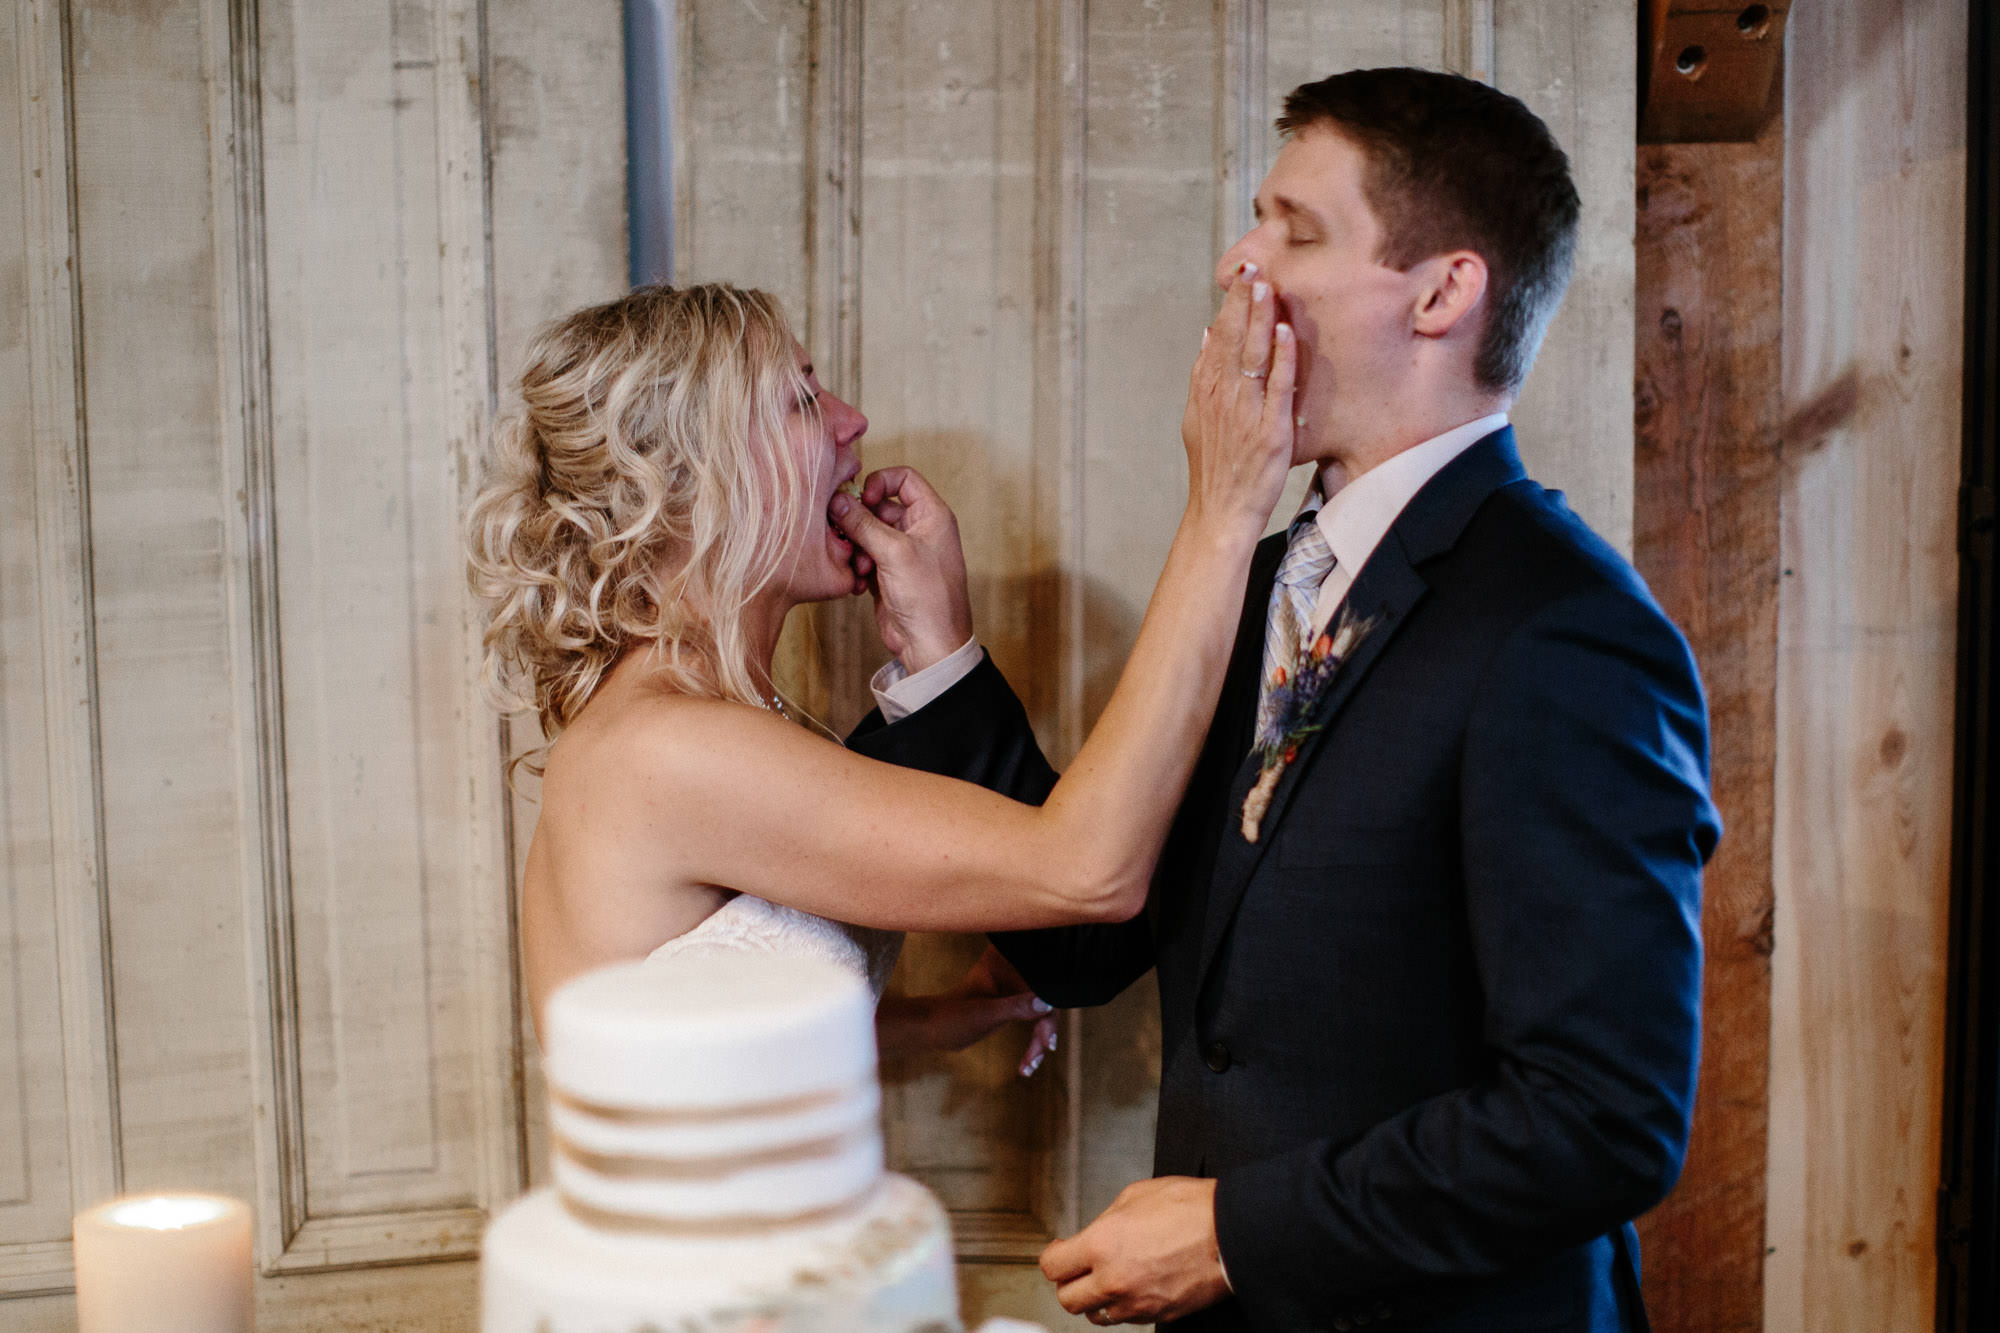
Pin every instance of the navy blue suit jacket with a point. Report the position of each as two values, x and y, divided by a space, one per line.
1435 1032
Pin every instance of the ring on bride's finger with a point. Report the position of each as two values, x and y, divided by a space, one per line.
1253 374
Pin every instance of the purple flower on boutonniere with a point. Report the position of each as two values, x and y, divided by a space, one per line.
1292 713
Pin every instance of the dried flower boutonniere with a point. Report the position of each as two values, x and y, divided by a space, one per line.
1292 715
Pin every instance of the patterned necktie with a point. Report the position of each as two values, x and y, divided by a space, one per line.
1308 560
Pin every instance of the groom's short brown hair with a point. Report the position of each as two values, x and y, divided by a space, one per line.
1456 165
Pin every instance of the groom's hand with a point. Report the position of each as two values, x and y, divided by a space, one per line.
909 557
1151 1256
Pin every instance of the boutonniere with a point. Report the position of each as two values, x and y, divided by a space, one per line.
1292 714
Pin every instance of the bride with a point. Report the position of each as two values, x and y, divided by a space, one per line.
668 492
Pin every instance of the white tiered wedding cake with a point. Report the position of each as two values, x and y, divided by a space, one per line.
718 1164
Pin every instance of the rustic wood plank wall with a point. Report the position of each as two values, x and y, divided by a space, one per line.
1708 416
1874 237
254 923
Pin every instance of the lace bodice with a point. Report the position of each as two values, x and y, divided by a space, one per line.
749 923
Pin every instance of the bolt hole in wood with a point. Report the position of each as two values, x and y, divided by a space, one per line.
1691 62
1754 22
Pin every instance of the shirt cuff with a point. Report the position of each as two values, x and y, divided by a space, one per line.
899 694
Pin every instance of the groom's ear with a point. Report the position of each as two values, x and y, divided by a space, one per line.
1450 288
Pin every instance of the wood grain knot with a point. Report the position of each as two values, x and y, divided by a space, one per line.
1762 934
1895 744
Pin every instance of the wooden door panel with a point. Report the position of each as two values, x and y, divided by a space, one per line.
944 295
386 970
369 592
55 1059
159 541
33 1147
252 375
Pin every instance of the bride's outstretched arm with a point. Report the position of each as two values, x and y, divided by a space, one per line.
755 804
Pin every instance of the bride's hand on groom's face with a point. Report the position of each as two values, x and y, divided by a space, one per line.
907 554
1239 426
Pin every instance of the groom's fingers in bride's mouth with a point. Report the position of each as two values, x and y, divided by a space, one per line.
869 534
903 485
883 486
881 493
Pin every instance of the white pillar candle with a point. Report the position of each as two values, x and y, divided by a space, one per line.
161 1262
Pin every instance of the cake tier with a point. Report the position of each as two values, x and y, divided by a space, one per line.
883 1266
711 1032
724 1189
721 1089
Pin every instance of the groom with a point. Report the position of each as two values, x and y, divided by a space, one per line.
1430 1021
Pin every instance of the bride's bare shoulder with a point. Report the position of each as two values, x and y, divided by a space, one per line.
641 738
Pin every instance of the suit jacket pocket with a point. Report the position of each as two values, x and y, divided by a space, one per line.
1306 845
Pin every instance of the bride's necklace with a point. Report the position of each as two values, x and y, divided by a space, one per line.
774 704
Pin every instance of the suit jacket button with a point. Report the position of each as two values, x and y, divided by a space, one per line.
1217 1056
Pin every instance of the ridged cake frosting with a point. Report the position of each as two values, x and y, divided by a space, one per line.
717 1158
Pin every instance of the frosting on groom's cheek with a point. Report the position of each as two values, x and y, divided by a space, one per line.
1314 386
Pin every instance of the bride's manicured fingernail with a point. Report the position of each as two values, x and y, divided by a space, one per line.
1284 333
1204 337
1053 1038
1260 291
1249 270
1042 1006
840 503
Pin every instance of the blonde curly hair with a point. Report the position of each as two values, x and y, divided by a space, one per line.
641 495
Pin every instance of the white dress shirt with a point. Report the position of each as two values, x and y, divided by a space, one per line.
1355 520
1361 513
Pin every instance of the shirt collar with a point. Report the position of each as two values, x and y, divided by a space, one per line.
1362 512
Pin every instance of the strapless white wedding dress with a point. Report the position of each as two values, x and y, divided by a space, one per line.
750 924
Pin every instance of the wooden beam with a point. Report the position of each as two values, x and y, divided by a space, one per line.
1708 68
1875 120
1706 517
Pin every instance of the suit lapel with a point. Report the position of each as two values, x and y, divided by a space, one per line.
1387 589
1385 594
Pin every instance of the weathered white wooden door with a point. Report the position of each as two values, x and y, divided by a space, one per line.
995 220
261 262
274 259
